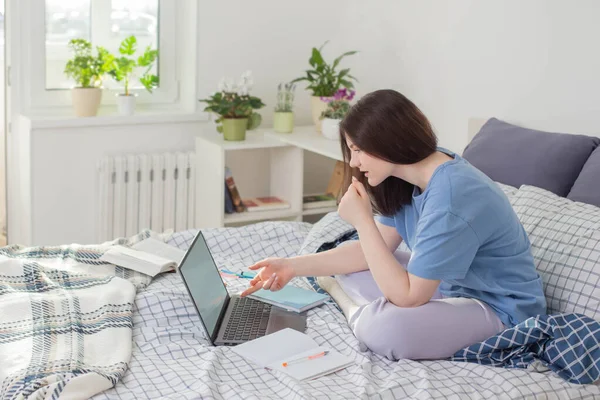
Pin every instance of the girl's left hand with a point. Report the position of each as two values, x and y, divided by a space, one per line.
355 206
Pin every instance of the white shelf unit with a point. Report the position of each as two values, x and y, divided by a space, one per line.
307 138
280 161
260 216
320 210
266 163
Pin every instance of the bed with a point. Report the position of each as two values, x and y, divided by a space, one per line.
171 358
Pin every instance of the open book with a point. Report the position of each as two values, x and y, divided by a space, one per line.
150 256
288 346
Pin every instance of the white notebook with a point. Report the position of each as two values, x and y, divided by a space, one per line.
289 345
150 257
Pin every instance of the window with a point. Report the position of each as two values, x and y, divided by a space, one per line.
45 28
104 23
2 13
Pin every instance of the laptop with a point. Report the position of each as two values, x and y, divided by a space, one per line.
229 320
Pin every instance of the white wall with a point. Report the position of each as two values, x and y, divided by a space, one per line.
534 62
273 39
54 192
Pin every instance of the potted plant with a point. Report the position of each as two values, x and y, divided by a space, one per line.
336 110
324 81
87 71
123 68
283 120
235 107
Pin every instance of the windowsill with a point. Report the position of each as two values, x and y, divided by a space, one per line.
139 118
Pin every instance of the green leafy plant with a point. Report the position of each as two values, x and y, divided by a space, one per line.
124 66
336 109
323 79
85 68
285 97
234 101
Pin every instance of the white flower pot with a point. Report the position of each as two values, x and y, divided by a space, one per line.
86 101
330 128
126 104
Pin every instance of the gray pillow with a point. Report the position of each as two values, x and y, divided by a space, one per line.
586 188
518 156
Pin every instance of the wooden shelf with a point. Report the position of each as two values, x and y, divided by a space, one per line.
259 215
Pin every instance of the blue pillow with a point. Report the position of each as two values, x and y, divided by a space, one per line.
586 188
518 156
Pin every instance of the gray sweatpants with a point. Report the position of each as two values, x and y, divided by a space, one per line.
434 330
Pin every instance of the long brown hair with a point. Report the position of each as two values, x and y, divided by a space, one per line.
387 125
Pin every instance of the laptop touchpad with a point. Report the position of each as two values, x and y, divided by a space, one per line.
281 319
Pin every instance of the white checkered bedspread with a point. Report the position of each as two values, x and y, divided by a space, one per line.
171 358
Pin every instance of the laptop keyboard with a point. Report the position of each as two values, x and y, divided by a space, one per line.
248 320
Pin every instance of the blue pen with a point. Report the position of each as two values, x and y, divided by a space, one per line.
238 274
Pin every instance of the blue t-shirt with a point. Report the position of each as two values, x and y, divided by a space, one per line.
463 231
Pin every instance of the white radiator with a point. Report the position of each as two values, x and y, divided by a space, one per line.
145 191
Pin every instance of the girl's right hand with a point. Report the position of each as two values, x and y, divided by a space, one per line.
274 274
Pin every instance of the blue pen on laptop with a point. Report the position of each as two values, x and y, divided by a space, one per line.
238 274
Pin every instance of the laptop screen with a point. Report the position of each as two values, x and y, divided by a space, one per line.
204 283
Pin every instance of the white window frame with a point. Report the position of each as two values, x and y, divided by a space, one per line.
40 100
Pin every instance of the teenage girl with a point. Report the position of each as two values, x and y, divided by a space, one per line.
470 272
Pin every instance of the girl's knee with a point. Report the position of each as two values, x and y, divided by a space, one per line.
360 287
394 338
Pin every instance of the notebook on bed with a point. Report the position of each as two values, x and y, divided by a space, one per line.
293 353
291 298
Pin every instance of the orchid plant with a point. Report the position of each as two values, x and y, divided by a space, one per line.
338 107
234 101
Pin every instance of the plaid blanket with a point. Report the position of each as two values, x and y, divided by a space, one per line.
568 344
65 320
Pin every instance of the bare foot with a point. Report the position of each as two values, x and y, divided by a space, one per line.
331 286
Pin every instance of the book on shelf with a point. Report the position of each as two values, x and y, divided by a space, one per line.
233 191
229 208
265 203
310 201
